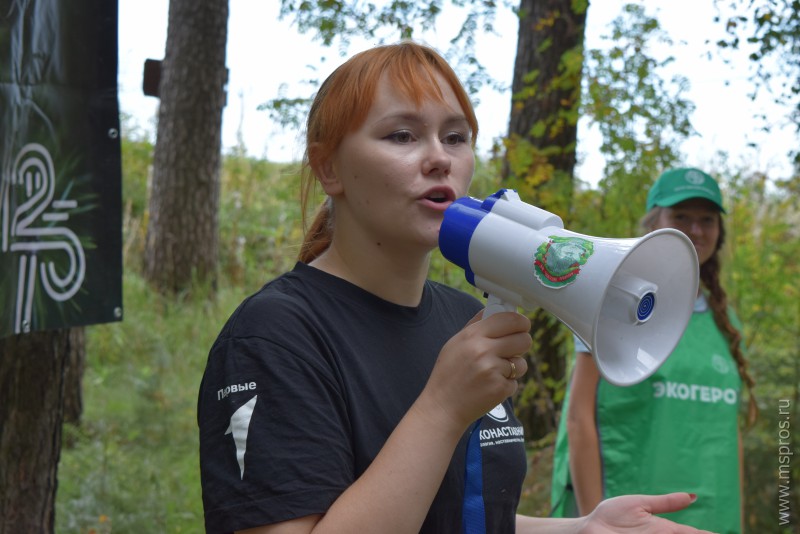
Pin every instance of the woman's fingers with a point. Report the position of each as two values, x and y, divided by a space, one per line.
516 367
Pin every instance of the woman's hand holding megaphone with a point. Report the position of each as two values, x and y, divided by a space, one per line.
473 371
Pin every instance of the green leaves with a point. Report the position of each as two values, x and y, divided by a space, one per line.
770 30
642 117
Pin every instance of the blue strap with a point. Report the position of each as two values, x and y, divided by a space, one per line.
473 515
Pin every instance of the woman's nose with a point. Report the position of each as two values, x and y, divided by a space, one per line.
696 227
437 160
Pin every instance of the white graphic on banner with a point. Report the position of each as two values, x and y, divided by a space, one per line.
33 228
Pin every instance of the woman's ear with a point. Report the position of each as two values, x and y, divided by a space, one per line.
324 170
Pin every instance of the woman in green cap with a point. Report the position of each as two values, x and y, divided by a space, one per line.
680 427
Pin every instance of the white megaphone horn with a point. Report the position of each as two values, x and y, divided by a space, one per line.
628 300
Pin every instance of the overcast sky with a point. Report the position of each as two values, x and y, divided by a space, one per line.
264 53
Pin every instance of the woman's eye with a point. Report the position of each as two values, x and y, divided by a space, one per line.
454 138
402 137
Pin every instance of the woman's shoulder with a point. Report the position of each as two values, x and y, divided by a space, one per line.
280 303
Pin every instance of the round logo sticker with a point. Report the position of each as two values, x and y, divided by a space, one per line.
557 262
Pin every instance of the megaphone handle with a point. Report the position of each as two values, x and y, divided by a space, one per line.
495 305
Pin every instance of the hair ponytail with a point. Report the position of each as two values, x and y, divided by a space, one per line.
319 234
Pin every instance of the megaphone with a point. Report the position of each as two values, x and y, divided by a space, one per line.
628 300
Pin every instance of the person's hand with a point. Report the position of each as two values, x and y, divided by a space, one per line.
473 372
634 514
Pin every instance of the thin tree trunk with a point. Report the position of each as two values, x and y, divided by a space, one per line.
182 242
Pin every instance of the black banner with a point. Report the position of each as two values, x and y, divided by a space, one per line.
60 189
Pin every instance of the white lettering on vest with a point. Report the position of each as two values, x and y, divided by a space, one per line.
694 392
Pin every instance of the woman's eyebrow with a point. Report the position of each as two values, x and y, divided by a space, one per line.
418 117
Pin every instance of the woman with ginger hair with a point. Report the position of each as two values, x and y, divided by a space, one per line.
339 397
680 427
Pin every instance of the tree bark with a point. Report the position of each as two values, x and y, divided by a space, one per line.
32 381
181 244
540 161
73 379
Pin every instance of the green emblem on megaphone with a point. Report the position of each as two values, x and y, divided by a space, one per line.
558 261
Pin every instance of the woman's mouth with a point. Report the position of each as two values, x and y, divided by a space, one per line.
438 199
439 195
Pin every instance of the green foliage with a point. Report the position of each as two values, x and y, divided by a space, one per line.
287 112
540 147
260 219
770 30
132 462
137 157
763 246
642 118
339 21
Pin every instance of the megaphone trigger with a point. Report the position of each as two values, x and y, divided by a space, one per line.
495 305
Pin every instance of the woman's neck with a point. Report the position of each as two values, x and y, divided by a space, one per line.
399 281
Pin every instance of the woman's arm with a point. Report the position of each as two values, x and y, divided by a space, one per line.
584 449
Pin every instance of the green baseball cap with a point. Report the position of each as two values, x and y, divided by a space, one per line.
677 185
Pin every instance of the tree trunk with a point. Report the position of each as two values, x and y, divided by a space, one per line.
32 381
73 379
540 161
181 244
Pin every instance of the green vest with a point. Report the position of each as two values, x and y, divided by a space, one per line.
675 431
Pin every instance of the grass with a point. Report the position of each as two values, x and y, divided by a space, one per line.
132 463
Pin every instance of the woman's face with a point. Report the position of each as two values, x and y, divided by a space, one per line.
393 177
697 218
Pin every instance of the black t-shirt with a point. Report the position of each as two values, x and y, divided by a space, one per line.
307 380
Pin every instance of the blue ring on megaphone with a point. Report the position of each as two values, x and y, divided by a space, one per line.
461 219
492 199
646 306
